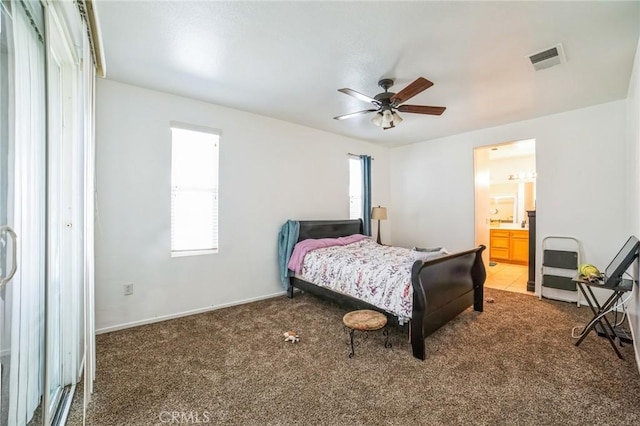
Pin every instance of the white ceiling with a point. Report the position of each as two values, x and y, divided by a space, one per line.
287 59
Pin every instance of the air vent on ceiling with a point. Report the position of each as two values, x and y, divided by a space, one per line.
547 58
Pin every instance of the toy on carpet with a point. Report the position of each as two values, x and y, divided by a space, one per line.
291 336
490 300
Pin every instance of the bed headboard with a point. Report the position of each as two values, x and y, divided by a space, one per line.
329 228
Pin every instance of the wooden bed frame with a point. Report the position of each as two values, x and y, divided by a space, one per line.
442 287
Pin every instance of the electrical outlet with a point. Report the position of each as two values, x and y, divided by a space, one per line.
128 289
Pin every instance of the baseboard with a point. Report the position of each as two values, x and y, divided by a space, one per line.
186 313
635 343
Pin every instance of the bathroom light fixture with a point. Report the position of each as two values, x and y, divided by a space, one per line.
522 175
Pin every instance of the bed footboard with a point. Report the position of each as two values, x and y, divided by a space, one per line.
442 289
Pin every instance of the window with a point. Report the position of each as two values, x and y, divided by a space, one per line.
355 188
194 190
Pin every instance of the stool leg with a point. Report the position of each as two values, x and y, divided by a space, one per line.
353 353
385 333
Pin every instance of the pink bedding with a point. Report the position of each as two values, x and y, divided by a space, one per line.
305 246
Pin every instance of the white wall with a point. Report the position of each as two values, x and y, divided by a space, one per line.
270 171
632 207
581 183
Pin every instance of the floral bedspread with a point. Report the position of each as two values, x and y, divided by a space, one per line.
379 275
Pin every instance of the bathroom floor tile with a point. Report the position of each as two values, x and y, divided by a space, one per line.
509 277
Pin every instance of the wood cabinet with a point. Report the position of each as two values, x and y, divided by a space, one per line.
519 247
510 245
499 245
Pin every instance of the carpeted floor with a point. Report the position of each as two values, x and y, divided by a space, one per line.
513 364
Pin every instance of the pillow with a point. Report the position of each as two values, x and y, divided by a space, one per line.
427 250
303 247
428 254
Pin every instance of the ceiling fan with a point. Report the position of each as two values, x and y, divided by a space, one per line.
386 104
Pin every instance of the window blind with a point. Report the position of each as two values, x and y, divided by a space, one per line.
194 191
355 188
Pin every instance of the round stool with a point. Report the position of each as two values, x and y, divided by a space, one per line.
366 320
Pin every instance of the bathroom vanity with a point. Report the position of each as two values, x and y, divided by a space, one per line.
509 244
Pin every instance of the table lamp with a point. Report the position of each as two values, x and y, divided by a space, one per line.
379 213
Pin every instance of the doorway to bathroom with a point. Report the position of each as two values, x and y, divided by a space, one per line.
505 193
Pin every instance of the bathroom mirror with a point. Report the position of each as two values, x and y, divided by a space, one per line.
510 202
504 208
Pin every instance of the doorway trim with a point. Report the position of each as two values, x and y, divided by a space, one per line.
482 185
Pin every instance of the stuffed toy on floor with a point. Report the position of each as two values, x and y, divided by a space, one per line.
291 336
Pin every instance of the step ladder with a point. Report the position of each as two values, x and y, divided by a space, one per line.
560 264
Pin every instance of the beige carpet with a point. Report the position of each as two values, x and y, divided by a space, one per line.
513 364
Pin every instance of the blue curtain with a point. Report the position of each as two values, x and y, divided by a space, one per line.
366 193
287 238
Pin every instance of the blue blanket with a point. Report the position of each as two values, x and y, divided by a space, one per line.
287 238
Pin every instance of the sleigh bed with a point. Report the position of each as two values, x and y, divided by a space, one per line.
442 287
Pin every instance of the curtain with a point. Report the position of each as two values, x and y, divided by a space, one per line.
366 193
88 80
27 333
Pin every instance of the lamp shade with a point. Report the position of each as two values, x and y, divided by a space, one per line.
379 213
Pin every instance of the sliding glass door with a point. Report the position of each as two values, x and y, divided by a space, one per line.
65 214
33 362
65 217
44 138
55 268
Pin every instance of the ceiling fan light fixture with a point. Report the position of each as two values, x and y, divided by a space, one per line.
385 104
387 118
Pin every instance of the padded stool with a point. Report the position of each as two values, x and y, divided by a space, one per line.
366 320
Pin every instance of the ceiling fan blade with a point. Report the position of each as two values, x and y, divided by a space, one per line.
411 90
354 114
358 95
422 109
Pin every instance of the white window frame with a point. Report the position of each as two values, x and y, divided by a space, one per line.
215 191
65 187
